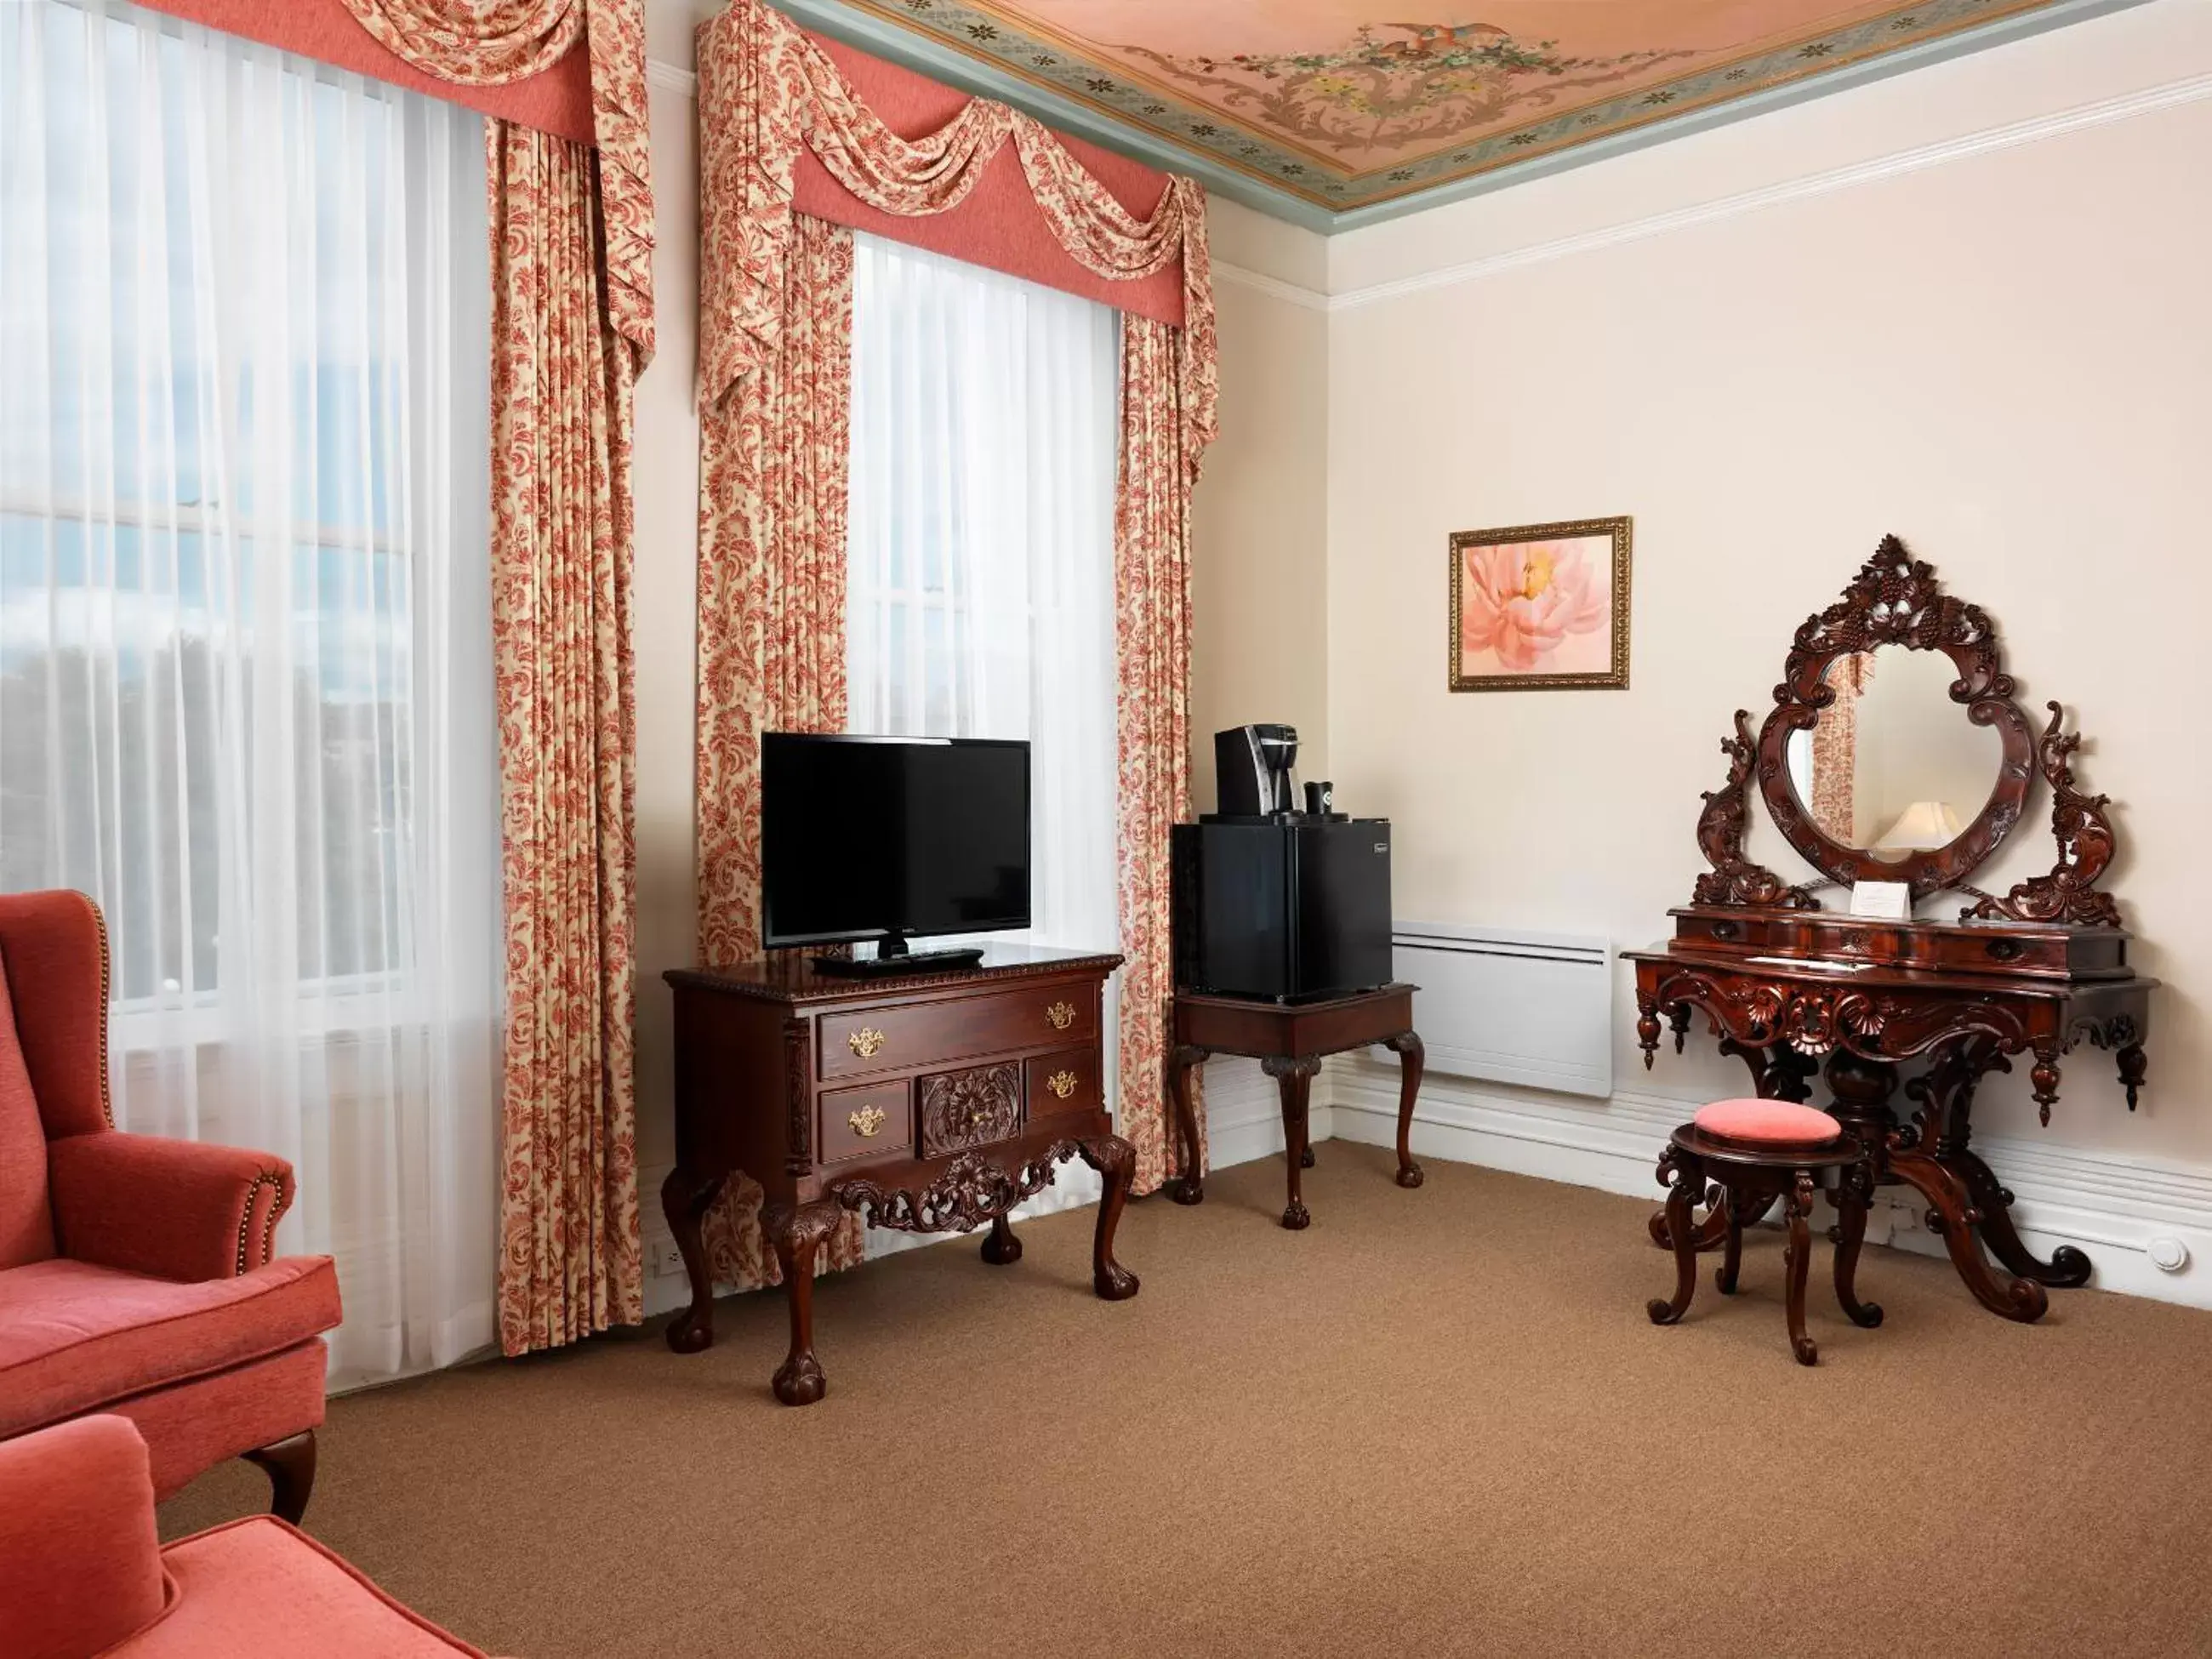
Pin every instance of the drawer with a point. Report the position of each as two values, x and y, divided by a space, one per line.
1063 1084
973 1108
874 1121
899 1039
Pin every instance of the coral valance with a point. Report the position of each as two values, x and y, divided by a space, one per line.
488 42
768 91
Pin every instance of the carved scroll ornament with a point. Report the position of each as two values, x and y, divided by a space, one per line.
2085 840
1735 878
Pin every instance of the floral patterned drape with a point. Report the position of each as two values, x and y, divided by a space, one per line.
1152 599
773 462
479 43
765 89
1835 749
562 532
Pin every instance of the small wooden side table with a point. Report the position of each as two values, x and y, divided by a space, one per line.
1289 1041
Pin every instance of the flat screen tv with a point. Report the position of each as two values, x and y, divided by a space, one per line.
891 839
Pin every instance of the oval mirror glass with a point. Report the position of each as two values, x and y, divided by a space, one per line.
1893 767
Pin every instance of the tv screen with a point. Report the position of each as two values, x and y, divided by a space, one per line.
862 837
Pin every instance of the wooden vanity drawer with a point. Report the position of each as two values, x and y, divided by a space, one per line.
1059 1085
930 1033
974 1107
874 1121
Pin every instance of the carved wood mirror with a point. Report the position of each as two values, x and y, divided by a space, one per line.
1895 752
1855 771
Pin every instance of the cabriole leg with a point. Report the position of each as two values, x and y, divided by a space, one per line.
1797 1260
1116 1161
796 1236
290 1466
1688 1180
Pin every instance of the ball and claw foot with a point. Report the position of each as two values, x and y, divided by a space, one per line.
1295 1216
1412 1175
690 1333
799 1382
1113 1283
1190 1190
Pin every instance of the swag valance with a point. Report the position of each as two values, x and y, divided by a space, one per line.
769 93
572 67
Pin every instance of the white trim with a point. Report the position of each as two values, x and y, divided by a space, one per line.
2104 112
669 78
2116 1209
1310 299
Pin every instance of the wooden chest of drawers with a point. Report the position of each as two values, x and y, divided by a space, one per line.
929 1102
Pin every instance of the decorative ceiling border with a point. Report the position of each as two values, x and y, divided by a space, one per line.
935 36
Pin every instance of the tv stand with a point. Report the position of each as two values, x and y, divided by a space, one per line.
902 962
933 1104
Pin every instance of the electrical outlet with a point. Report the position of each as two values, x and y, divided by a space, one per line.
664 1260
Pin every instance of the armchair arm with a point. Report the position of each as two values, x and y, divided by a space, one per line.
175 1209
79 1565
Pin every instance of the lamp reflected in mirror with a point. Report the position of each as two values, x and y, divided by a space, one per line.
1893 766
1921 827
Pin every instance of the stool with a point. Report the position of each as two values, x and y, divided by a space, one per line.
1756 1151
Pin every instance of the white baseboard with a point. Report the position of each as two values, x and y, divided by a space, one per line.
2118 1211
1243 1122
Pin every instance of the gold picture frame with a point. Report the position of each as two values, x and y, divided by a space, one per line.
1539 607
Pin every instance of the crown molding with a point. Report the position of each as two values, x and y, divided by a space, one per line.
669 78
2127 106
1310 299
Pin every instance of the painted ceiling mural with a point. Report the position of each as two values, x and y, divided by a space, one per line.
1343 108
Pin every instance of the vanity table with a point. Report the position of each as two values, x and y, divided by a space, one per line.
1893 716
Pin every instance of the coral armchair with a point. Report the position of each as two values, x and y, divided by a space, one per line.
134 1271
82 1575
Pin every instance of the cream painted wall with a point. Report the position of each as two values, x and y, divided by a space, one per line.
1259 529
2003 356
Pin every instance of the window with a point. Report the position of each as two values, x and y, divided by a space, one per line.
981 599
222 269
245 679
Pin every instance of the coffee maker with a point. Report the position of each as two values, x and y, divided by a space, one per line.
1274 903
1252 770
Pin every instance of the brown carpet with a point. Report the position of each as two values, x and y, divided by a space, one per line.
1436 1422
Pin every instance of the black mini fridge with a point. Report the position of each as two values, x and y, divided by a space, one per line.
1286 910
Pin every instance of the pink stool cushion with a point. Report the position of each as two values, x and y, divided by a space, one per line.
1783 1122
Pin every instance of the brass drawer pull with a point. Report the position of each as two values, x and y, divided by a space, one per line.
1061 1084
1061 1014
865 1041
868 1122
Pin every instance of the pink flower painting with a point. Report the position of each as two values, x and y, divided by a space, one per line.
1537 607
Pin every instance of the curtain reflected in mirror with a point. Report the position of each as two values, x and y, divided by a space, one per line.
1893 767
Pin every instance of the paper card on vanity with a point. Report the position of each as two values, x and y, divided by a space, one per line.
1884 901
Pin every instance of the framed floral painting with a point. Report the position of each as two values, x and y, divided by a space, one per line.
1541 607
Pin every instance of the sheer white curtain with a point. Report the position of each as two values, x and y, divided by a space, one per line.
980 603
245 688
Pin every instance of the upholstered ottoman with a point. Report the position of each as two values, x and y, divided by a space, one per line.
81 1573
1755 1152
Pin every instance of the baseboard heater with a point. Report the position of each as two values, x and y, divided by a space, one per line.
1510 1007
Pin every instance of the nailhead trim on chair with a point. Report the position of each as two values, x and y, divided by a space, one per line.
266 1178
99 924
